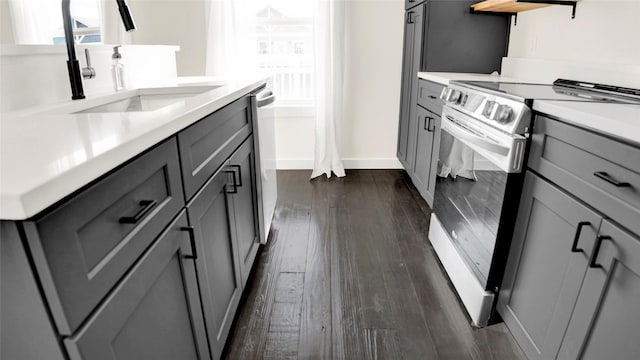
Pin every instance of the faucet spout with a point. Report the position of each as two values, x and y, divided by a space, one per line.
73 66
75 78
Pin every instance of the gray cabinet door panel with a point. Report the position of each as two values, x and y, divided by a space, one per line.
435 152
82 248
418 19
244 205
421 174
571 157
604 324
205 145
154 313
543 276
405 91
211 215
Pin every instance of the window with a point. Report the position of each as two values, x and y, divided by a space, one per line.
284 36
40 21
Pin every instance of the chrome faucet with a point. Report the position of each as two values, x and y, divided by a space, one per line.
75 75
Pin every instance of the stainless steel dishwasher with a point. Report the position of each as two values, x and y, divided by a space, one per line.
267 155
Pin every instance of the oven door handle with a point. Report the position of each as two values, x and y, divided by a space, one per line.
468 135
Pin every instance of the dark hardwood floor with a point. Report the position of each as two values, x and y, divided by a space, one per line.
348 273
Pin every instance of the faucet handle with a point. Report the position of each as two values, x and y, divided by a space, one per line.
88 72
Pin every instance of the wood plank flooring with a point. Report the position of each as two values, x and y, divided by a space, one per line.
348 273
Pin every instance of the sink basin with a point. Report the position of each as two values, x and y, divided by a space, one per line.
147 99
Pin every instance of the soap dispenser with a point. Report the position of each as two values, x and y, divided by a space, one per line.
119 80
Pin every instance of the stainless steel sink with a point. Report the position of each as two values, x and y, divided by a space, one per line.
147 99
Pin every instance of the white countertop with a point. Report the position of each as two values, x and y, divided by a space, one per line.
46 154
621 121
445 77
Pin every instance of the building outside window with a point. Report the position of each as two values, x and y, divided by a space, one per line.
284 36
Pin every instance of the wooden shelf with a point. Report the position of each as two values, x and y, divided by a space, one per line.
516 6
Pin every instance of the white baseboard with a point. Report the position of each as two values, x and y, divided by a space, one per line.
307 164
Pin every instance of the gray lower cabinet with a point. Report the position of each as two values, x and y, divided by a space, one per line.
410 66
604 324
427 145
212 215
549 255
244 199
571 289
154 313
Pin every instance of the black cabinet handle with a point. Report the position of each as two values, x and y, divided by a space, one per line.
239 172
235 185
147 205
432 97
429 127
606 177
596 251
427 123
410 17
574 246
192 238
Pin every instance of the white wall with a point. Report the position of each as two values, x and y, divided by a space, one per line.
6 29
601 44
172 22
373 64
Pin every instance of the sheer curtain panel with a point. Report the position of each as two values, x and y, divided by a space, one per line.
329 54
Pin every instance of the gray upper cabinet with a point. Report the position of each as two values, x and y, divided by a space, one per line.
205 145
245 206
549 255
428 127
154 313
84 247
604 324
212 215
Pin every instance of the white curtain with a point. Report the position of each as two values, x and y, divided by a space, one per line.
230 49
35 20
329 54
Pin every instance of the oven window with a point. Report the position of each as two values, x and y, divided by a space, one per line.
470 210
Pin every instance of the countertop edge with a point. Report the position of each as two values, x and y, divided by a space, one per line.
27 204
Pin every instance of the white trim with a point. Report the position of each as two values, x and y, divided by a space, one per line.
307 164
476 300
389 163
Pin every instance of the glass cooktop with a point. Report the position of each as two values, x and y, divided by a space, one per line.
561 90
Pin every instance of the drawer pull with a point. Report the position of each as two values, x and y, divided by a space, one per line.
594 257
192 238
574 246
234 186
147 205
237 167
432 97
606 177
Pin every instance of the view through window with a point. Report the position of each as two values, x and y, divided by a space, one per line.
40 21
285 49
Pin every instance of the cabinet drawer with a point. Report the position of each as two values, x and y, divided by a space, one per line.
208 143
600 171
83 247
429 96
408 4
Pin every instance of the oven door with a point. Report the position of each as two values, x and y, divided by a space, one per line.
475 202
